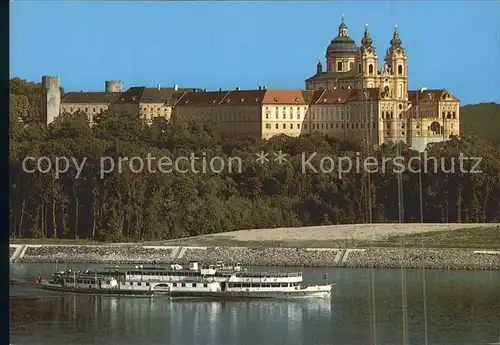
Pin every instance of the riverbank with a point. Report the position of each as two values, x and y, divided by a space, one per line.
438 258
454 246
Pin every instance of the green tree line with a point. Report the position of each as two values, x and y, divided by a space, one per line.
129 206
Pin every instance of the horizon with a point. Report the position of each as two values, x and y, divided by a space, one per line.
243 49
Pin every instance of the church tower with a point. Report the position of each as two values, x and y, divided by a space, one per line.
396 64
368 62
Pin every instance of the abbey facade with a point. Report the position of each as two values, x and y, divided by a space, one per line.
353 100
417 117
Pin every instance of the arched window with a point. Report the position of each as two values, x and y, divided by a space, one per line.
370 69
400 70
400 90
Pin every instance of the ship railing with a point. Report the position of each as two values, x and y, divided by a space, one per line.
267 275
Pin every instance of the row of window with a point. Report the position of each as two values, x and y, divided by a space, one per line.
323 126
291 108
247 285
284 116
86 109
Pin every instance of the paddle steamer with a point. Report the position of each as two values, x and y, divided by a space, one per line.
209 281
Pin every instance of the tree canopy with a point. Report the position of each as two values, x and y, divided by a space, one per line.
136 206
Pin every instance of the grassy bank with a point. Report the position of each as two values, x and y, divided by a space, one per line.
52 241
480 237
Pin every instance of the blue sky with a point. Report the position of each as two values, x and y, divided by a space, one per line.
450 44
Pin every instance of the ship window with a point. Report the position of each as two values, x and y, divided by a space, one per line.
147 284
205 285
139 284
174 284
183 285
284 285
194 284
90 286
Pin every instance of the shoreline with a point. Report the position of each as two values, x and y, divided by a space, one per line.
376 257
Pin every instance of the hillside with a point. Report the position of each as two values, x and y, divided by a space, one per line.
482 120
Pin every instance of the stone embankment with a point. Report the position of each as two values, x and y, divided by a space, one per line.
326 257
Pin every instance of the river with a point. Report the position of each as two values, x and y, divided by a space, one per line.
463 307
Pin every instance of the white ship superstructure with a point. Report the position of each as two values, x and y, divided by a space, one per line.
192 281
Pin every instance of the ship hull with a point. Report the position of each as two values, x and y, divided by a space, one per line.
313 292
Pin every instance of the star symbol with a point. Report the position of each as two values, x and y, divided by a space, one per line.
280 157
262 157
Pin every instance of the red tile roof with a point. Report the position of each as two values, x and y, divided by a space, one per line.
284 97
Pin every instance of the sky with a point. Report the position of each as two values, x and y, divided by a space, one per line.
450 44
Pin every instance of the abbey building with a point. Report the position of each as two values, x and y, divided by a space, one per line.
417 117
355 97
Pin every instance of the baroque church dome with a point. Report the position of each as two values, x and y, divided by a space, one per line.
342 43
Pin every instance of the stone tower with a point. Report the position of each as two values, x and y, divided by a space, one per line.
51 98
114 86
368 62
396 63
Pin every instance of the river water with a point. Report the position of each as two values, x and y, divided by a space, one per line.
463 307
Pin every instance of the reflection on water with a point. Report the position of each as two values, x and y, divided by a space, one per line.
105 319
462 308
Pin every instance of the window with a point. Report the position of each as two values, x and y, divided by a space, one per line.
268 125
291 126
454 115
339 66
449 115
183 284
276 126
205 285
400 91
298 125
313 126
147 284
174 284
194 284
403 134
400 69
298 116
267 116
284 116
284 126
351 65
370 69
70 109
